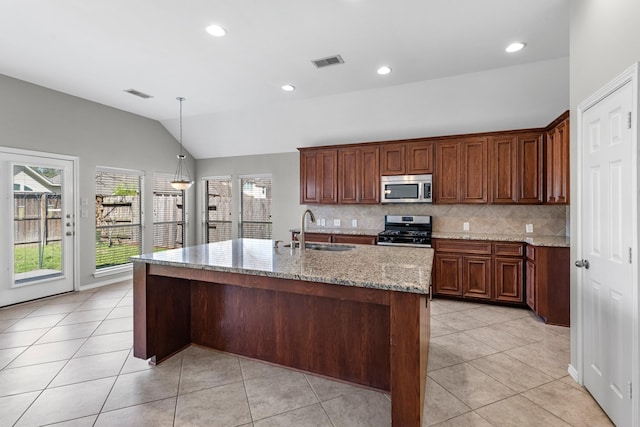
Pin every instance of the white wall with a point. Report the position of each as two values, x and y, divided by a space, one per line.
605 41
285 171
40 119
523 96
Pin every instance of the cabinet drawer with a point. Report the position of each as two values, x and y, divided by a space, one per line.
356 239
463 246
531 252
509 249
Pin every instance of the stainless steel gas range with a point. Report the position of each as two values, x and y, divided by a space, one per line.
406 230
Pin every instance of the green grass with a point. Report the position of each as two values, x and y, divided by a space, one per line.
26 257
117 254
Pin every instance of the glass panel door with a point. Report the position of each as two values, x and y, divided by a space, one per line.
37 226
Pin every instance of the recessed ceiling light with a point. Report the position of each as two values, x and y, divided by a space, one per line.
514 47
288 88
216 30
384 70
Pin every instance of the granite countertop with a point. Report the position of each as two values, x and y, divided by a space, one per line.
368 266
551 241
351 231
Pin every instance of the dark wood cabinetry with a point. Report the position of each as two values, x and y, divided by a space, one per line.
462 268
319 176
489 271
508 271
359 175
410 158
526 166
474 171
461 171
356 239
548 292
557 161
516 168
344 175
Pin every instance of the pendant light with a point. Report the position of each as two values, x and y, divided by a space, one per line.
182 179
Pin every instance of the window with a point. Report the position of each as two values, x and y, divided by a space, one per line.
218 205
118 216
255 207
168 214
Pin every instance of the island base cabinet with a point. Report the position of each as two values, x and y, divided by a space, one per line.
373 337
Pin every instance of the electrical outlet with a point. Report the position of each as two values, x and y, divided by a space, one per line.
336 223
529 228
354 222
321 222
465 226
84 213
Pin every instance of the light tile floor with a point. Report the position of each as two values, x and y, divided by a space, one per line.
67 361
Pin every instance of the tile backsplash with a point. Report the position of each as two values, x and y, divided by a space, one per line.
547 220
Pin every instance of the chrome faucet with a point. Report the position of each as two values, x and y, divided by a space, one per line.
312 217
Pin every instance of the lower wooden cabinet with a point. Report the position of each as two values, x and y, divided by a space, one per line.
476 277
548 283
356 239
448 274
480 270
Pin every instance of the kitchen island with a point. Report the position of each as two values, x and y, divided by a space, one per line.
359 315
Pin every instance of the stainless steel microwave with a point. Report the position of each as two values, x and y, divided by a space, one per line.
406 189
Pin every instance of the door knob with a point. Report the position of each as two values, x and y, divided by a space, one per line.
582 263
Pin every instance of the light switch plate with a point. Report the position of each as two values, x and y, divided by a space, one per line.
321 222
354 222
465 226
529 228
336 223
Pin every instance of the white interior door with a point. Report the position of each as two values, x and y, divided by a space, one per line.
36 226
607 275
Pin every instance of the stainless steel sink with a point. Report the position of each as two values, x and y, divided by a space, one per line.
326 247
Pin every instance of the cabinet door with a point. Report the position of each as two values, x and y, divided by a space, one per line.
308 177
327 177
476 277
348 175
355 239
530 168
419 158
393 159
474 171
508 279
531 285
447 179
557 164
448 275
503 170
369 175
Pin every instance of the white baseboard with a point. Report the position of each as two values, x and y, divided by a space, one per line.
106 282
573 373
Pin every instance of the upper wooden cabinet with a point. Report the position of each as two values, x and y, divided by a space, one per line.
557 161
411 158
461 171
344 175
359 175
318 176
516 168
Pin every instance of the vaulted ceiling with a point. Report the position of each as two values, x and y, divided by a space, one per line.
97 49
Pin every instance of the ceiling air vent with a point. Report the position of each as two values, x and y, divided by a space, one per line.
330 60
138 93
